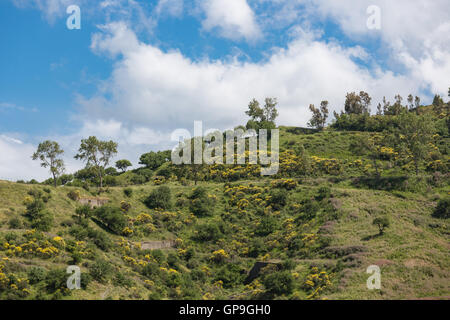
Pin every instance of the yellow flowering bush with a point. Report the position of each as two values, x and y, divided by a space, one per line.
219 256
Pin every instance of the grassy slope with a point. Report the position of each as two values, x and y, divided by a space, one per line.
413 253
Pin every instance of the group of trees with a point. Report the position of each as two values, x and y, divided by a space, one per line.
96 154
411 133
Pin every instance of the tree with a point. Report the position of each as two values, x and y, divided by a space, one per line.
254 110
319 116
379 110
382 223
153 160
357 104
123 165
270 112
48 153
96 154
413 136
397 107
438 104
410 102
262 118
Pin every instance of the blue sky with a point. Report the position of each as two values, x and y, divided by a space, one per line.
137 70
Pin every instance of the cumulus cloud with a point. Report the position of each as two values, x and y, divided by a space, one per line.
167 90
415 34
232 19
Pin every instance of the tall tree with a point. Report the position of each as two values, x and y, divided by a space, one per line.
270 112
319 116
413 136
254 110
410 102
97 155
48 152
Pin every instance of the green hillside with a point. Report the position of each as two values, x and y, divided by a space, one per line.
310 227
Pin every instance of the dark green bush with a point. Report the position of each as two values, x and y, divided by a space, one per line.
207 232
112 217
278 198
159 198
128 192
36 275
231 275
266 226
279 283
200 204
15 223
442 209
100 271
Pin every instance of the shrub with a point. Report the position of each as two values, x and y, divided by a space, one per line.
231 275
112 217
43 221
159 198
128 192
279 283
323 193
15 223
100 239
201 204
278 198
84 211
442 209
266 227
36 275
309 209
74 195
56 280
207 232
100 271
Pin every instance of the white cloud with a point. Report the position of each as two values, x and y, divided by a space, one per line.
170 7
232 19
415 34
166 90
51 9
15 160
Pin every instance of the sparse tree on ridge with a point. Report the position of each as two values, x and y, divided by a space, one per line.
48 153
262 118
319 116
97 154
123 165
270 111
357 104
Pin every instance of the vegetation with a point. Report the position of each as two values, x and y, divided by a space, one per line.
224 232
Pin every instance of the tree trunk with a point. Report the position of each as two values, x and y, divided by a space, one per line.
101 182
54 180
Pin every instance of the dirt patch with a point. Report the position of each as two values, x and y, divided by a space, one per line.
152 245
412 263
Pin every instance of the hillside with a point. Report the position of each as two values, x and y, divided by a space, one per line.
312 233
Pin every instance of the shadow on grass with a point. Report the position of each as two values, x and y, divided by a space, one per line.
102 226
371 237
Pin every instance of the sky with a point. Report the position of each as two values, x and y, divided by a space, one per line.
137 70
